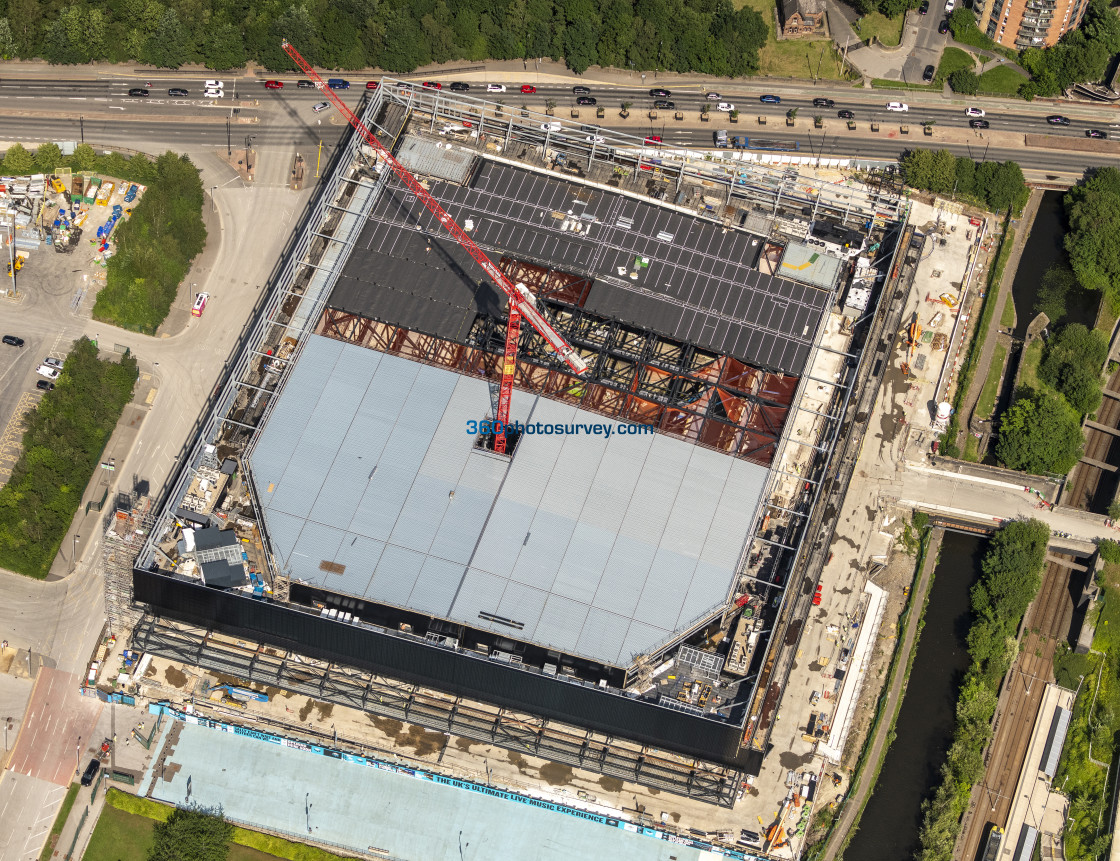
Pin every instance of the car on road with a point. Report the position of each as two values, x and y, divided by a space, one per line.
845 115
432 85
528 89
823 103
91 772
901 107
652 139
45 385
950 5
726 107
199 304
495 88
138 93
978 124
52 362
322 106
338 83
581 91
48 372
974 112
372 85
664 104
306 85
459 87
553 126
13 341
212 93
404 85
215 85
1096 133
713 97
924 8
177 92
595 139
928 74
770 99
587 100
943 27
274 85
659 93
1057 120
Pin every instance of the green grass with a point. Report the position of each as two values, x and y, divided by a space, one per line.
1007 318
986 403
877 25
793 58
952 60
885 84
1001 81
978 39
120 836
59 821
971 449
1028 366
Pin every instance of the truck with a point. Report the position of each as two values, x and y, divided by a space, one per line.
721 138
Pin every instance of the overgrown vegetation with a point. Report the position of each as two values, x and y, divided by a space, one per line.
1010 577
396 35
1093 241
65 437
1040 433
1081 55
986 403
998 186
1072 364
155 247
19 161
192 834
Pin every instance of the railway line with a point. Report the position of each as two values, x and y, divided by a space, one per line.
1091 481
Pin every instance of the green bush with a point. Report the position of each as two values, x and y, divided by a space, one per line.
155 247
137 804
1110 550
1072 364
64 440
1040 433
964 81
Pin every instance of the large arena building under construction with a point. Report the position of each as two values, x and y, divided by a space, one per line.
606 591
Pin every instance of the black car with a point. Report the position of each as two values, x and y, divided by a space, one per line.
845 115
177 91
1057 120
924 7
138 93
459 87
978 124
664 105
943 27
91 772
770 100
581 91
823 103
585 100
1096 133
45 385
305 85
13 341
659 93
928 74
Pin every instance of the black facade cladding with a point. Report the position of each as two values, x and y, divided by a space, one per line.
430 666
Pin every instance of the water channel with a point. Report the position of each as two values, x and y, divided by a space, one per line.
889 826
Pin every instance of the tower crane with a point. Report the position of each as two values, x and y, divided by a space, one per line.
522 303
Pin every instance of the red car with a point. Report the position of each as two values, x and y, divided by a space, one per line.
433 85
527 89
372 85
274 85
653 139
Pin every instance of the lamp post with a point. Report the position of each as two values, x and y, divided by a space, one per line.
229 140
82 128
74 552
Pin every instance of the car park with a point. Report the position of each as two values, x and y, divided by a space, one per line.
458 87
48 372
45 385
845 115
974 112
306 85
338 83
726 107
13 341
823 103
322 106
713 97
177 92
91 772
528 89
924 8
664 104
900 107
1057 120
1096 133
432 85
553 126
274 85
372 85
943 27
581 91
138 93
495 88
199 304
978 124
928 74
770 99
659 93
586 101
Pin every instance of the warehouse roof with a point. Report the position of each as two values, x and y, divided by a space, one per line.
371 486
655 268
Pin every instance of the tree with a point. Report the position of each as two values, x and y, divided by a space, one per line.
18 161
192 834
961 21
7 40
964 81
1040 434
1073 363
1003 186
1093 241
917 167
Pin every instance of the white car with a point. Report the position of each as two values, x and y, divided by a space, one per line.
726 107
974 112
211 93
553 126
215 85
495 88
949 6
595 139
897 106
48 372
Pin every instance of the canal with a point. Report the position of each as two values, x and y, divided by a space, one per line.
888 829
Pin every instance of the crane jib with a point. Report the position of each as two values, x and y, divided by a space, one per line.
536 319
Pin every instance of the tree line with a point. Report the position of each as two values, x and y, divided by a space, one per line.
1010 576
706 36
997 186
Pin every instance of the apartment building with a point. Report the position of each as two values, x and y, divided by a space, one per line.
1022 24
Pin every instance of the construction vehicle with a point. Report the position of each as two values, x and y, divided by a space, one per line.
522 303
16 266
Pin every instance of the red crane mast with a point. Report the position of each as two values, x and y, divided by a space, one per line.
521 301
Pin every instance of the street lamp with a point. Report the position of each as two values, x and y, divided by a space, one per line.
229 140
74 552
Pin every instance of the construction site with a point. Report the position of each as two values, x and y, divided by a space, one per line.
526 447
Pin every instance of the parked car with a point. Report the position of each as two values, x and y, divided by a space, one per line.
713 97
664 105
978 124
13 341
45 385
495 88
372 85
924 7
726 107
432 85
898 106
177 92
845 115
928 74
199 304
581 91
91 772
52 362
130 195
138 93
553 126
823 103
659 93
943 27
1096 133
274 85
322 106
974 112
338 83
48 372
950 5
1057 120
459 87
306 85
528 89
586 100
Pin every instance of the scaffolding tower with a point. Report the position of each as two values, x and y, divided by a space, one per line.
128 528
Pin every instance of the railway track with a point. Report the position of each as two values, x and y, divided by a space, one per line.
1098 445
